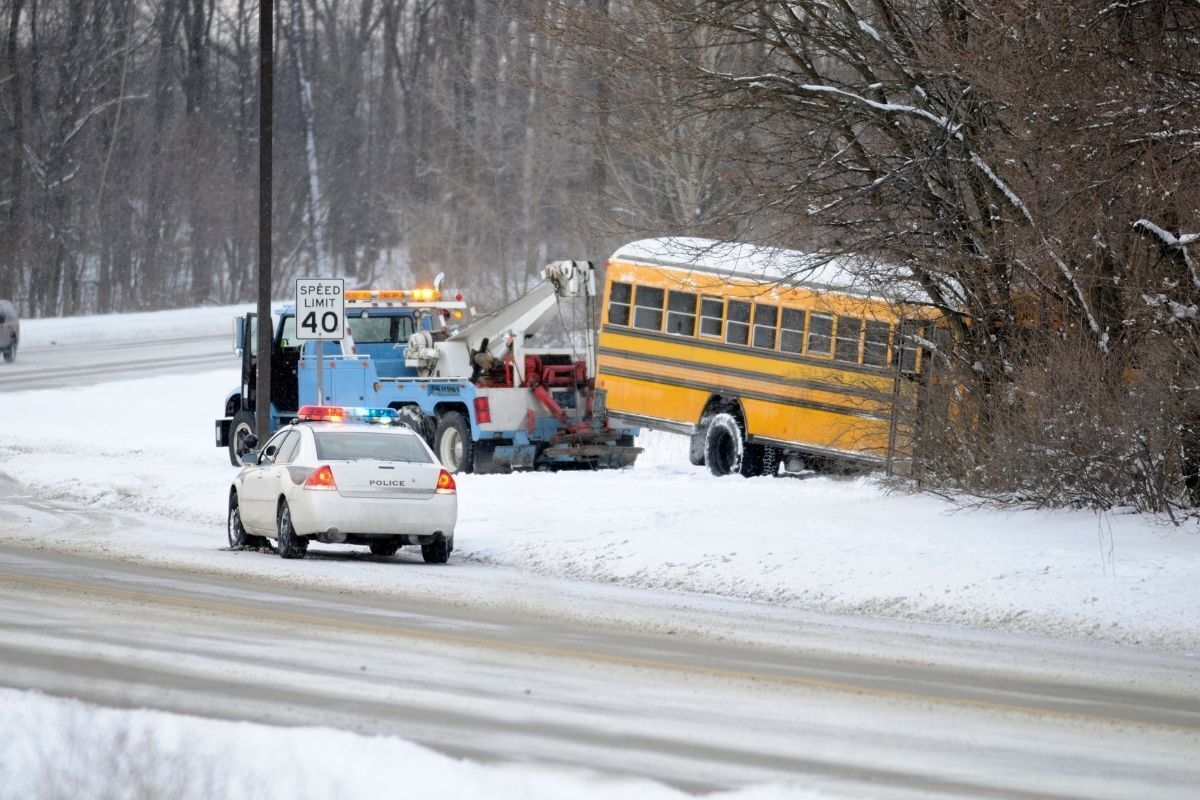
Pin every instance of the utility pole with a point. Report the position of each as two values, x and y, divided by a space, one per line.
266 87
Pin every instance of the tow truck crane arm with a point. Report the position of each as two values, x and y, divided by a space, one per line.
451 358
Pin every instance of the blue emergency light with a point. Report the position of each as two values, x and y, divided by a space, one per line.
383 416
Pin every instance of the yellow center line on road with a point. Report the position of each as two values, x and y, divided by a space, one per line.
242 611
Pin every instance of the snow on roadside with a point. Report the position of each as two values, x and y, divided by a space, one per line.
824 543
66 748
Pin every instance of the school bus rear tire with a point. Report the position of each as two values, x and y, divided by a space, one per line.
724 445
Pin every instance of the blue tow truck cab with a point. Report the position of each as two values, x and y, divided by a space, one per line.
495 422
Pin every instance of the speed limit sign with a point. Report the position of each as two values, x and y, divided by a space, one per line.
320 308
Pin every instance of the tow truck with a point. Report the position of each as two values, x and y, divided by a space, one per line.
483 399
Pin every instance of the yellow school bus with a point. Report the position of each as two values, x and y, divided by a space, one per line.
762 356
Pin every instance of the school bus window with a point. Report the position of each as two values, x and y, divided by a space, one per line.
765 318
848 331
648 308
944 341
681 313
906 349
737 325
791 330
820 334
618 303
875 348
710 316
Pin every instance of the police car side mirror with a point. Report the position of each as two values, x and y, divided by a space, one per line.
249 459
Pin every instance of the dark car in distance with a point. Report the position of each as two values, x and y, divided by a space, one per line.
10 330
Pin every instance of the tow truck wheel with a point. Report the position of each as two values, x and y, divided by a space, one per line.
414 419
235 531
240 426
10 355
452 442
290 545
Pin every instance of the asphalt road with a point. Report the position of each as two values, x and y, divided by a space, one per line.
493 681
67 366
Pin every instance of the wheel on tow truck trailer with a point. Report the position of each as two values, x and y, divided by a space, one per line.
235 531
413 418
727 452
452 442
290 545
240 427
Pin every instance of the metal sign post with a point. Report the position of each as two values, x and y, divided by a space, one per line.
266 72
320 316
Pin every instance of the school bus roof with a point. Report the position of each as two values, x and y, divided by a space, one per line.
819 271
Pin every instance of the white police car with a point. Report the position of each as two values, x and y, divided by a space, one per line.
344 476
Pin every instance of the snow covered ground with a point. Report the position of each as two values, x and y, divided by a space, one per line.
71 749
842 545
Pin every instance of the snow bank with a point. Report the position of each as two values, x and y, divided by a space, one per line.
822 543
55 748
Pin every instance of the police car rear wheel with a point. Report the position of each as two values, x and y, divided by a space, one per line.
436 552
384 548
290 545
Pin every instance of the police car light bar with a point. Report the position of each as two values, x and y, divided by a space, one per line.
385 416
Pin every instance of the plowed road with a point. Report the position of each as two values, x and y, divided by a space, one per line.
707 696
66 366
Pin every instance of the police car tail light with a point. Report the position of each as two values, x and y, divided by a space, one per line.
483 410
321 478
445 484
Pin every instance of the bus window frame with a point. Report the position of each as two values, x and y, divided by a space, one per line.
754 326
749 323
801 330
897 362
889 329
627 306
720 334
661 309
858 340
808 334
695 317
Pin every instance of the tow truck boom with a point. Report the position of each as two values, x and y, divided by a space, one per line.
508 326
